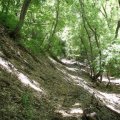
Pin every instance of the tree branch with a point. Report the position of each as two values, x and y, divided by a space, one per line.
117 29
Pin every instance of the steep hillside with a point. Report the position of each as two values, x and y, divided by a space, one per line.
38 88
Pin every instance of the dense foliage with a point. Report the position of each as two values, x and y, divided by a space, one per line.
81 29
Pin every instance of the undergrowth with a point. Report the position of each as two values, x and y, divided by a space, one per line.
9 21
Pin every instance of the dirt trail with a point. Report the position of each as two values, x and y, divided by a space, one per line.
75 112
111 100
53 86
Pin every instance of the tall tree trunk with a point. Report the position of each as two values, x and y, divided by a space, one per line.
99 74
24 9
82 41
94 31
89 37
118 24
54 26
100 54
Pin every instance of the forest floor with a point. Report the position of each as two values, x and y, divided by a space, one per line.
109 95
40 88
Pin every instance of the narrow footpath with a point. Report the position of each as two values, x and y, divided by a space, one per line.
110 100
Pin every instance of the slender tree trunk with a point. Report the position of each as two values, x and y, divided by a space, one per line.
119 2
99 74
118 24
104 13
89 38
117 29
24 9
82 41
100 54
54 26
108 77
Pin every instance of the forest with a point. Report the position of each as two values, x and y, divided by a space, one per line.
71 48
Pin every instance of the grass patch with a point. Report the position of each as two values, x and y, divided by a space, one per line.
18 102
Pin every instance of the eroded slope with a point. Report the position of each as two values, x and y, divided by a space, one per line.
20 101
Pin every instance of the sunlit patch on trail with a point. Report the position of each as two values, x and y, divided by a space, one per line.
24 79
63 113
114 80
72 69
76 104
77 112
68 61
112 101
78 65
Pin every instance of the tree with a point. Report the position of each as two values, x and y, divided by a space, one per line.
20 23
54 26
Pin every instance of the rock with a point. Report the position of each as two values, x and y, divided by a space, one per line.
88 114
